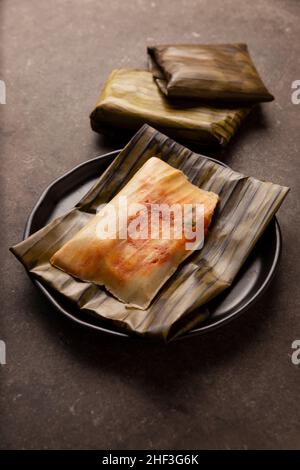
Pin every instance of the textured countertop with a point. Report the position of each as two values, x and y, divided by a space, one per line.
66 387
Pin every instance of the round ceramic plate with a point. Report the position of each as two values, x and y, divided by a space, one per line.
249 285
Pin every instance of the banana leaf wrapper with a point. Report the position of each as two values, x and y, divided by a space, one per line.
209 72
245 209
130 99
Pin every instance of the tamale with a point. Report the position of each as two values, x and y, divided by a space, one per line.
245 208
130 98
209 72
134 268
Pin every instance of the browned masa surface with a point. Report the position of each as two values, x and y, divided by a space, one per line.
66 387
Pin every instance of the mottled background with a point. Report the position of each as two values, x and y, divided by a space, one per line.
64 387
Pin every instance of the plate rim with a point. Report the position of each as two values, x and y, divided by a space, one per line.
204 329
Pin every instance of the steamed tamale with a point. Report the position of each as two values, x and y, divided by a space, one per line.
130 98
135 266
245 208
210 72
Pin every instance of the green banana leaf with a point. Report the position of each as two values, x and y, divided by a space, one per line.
209 72
246 207
130 99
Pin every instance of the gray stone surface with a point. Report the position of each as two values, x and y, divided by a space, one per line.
64 387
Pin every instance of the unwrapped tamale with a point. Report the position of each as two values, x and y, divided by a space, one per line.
131 98
210 72
133 265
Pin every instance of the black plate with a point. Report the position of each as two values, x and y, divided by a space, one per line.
251 282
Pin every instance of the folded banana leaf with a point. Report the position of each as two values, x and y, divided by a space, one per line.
246 207
130 99
210 72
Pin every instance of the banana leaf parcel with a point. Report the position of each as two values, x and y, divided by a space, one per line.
209 72
246 206
130 99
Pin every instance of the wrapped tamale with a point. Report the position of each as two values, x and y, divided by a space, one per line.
131 98
209 72
246 206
